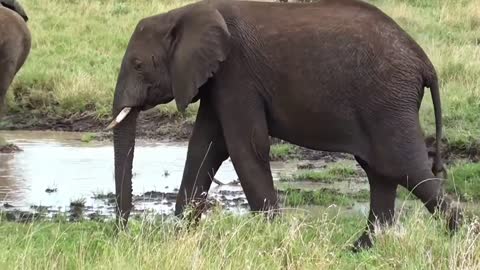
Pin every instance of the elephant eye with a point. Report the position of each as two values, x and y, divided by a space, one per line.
137 64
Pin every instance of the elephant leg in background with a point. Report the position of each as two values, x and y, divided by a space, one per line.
421 182
246 134
428 188
7 73
206 152
382 204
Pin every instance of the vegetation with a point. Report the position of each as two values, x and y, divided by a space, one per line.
223 241
322 197
282 151
465 181
336 172
78 47
88 137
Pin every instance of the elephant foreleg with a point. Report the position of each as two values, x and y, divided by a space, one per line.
246 134
206 152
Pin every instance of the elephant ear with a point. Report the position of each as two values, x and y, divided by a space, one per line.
200 42
15 6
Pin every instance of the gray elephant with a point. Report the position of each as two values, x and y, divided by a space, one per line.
15 43
15 6
337 75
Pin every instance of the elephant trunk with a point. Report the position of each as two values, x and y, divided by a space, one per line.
124 146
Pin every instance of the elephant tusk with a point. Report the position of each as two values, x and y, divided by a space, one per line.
119 117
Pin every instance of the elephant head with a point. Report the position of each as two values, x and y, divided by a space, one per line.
169 56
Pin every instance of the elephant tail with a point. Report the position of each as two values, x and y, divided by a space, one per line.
432 83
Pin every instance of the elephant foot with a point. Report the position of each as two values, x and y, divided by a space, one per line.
454 218
363 243
120 227
191 212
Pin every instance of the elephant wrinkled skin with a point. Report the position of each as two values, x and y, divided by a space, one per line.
15 44
336 75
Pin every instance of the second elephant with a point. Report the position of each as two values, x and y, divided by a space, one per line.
15 44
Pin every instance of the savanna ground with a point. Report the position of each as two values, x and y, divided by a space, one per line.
68 83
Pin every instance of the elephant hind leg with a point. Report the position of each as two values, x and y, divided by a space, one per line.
428 188
402 157
382 204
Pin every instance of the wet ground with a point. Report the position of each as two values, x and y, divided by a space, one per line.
56 172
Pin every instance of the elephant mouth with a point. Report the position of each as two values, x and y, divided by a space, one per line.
120 117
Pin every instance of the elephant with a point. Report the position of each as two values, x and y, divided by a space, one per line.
15 6
15 44
335 75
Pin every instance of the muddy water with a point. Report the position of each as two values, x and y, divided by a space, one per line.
55 169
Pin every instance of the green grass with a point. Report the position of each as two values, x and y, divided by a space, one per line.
322 197
88 137
282 151
464 180
78 46
222 241
333 173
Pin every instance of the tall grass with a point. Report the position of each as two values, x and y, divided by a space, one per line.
222 241
78 46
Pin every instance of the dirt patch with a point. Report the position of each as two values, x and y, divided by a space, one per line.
150 125
455 150
308 154
9 148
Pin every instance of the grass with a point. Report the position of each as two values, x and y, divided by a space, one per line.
322 197
465 181
222 241
88 137
336 172
282 151
78 46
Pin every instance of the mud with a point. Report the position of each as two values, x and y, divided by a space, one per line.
9 148
150 125
452 151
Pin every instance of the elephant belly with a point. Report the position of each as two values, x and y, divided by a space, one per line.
323 129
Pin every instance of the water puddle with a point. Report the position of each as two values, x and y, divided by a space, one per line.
56 170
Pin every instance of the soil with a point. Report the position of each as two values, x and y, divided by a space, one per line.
150 125
9 148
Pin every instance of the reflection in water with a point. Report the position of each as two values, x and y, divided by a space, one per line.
56 160
10 187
